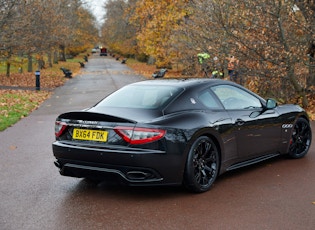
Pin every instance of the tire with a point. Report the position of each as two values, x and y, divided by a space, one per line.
301 139
202 165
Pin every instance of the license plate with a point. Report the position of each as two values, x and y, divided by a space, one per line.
89 135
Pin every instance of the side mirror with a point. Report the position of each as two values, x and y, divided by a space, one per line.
271 104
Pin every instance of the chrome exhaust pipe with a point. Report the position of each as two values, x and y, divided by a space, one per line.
137 175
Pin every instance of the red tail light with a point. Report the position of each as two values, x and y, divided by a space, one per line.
138 136
60 127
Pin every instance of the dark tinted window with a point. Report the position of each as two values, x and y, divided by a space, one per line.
141 96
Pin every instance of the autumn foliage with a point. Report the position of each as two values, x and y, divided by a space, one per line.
32 30
39 35
273 40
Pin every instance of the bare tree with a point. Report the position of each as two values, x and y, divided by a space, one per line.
42 27
268 37
10 20
305 9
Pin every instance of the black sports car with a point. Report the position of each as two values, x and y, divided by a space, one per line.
177 132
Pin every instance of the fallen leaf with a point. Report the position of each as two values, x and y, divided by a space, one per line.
12 147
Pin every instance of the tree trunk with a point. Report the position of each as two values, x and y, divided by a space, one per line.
8 62
29 63
49 59
310 81
40 63
298 88
55 57
8 68
62 53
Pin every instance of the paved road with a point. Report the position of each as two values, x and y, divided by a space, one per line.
278 194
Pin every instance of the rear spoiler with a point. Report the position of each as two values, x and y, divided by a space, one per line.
92 116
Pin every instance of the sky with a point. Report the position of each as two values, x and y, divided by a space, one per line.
97 9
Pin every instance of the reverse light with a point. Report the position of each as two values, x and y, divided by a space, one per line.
138 136
60 127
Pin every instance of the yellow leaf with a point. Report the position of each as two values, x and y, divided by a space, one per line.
12 147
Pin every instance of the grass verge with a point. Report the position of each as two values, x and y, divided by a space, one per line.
16 104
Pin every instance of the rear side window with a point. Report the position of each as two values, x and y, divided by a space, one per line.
140 96
208 100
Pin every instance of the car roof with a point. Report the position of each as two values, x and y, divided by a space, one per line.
184 83
184 101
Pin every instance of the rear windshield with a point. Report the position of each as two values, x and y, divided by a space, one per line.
141 96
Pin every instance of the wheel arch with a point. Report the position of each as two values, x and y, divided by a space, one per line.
193 183
308 140
213 136
304 116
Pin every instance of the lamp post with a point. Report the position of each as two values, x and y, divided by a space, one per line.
37 76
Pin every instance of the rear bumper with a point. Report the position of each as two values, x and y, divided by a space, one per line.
130 175
133 166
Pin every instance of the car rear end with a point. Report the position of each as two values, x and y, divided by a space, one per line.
103 51
122 136
98 146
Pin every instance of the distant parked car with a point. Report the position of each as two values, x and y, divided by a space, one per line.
94 51
173 132
103 52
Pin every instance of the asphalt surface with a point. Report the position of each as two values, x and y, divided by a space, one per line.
277 194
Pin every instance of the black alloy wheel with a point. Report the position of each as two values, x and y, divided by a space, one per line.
301 139
202 165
